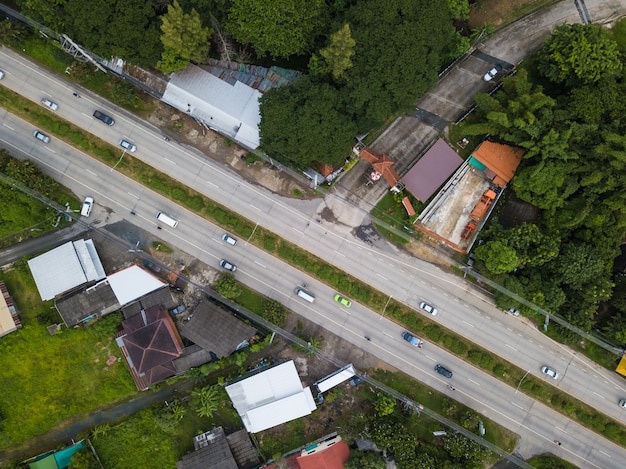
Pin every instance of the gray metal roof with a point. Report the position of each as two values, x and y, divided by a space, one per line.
93 302
215 329
214 453
66 267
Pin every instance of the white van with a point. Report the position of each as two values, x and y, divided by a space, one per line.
305 295
165 218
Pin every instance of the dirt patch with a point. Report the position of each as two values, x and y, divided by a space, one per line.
498 12
183 129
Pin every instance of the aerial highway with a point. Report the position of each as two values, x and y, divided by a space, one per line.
460 307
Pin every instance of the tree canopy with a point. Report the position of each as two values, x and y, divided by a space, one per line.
579 54
279 28
184 38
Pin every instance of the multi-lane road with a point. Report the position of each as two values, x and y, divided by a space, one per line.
400 276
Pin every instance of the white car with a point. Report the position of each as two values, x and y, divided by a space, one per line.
492 73
229 239
546 370
85 211
227 265
41 136
126 145
52 105
430 309
622 403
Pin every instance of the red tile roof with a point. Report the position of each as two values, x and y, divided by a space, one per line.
331 458
381 163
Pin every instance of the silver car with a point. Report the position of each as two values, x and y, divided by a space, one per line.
227 265
546 370
126 145
50 104
41 136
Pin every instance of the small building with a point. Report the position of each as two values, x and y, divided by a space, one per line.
270 397
9 319
66 267
149 343
329 452
216 334
498 161
335 379
215 450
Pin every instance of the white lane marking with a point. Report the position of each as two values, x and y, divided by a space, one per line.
90 171
606 454
258 263
517 405
213 184
255 207
472 325
170 161
510 346
387 334
340 254
296 229
10 128
384 278
472 381
50 150
599 395
132 195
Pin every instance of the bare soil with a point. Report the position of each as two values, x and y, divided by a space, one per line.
498 12
183 129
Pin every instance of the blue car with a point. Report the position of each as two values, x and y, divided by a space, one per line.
411 339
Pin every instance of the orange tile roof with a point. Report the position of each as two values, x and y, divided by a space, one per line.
503 160
381 163
408 206
331 458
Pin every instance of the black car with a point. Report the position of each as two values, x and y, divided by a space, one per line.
443 371
108 120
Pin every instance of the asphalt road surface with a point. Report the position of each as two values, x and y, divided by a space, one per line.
461 307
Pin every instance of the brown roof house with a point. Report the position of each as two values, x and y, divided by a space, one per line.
497 161
149 343
381 164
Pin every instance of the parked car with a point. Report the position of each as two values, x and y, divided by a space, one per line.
546 370
108 120
411 339
52 105
125 144
513 311
430 309
343 301
85 211
227 265
229 239
41 136
443 371
492 73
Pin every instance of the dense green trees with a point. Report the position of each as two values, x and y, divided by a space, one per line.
184 38
279 28
574 169
579 54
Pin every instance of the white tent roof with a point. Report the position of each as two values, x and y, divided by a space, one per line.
133 283
336 378
65 267
271 397
232 110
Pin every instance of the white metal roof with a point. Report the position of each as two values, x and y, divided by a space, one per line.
65 267
339 377
133 283
232 110
271 397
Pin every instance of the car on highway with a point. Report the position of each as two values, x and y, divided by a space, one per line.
227 265
229 239
546 370
492 73
108 120
49 104
443 371
41 136
411 339
1 74
622 403
126 145
512 311
342 300
85 211
430 309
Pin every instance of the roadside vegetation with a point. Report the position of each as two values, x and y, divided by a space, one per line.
332 275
